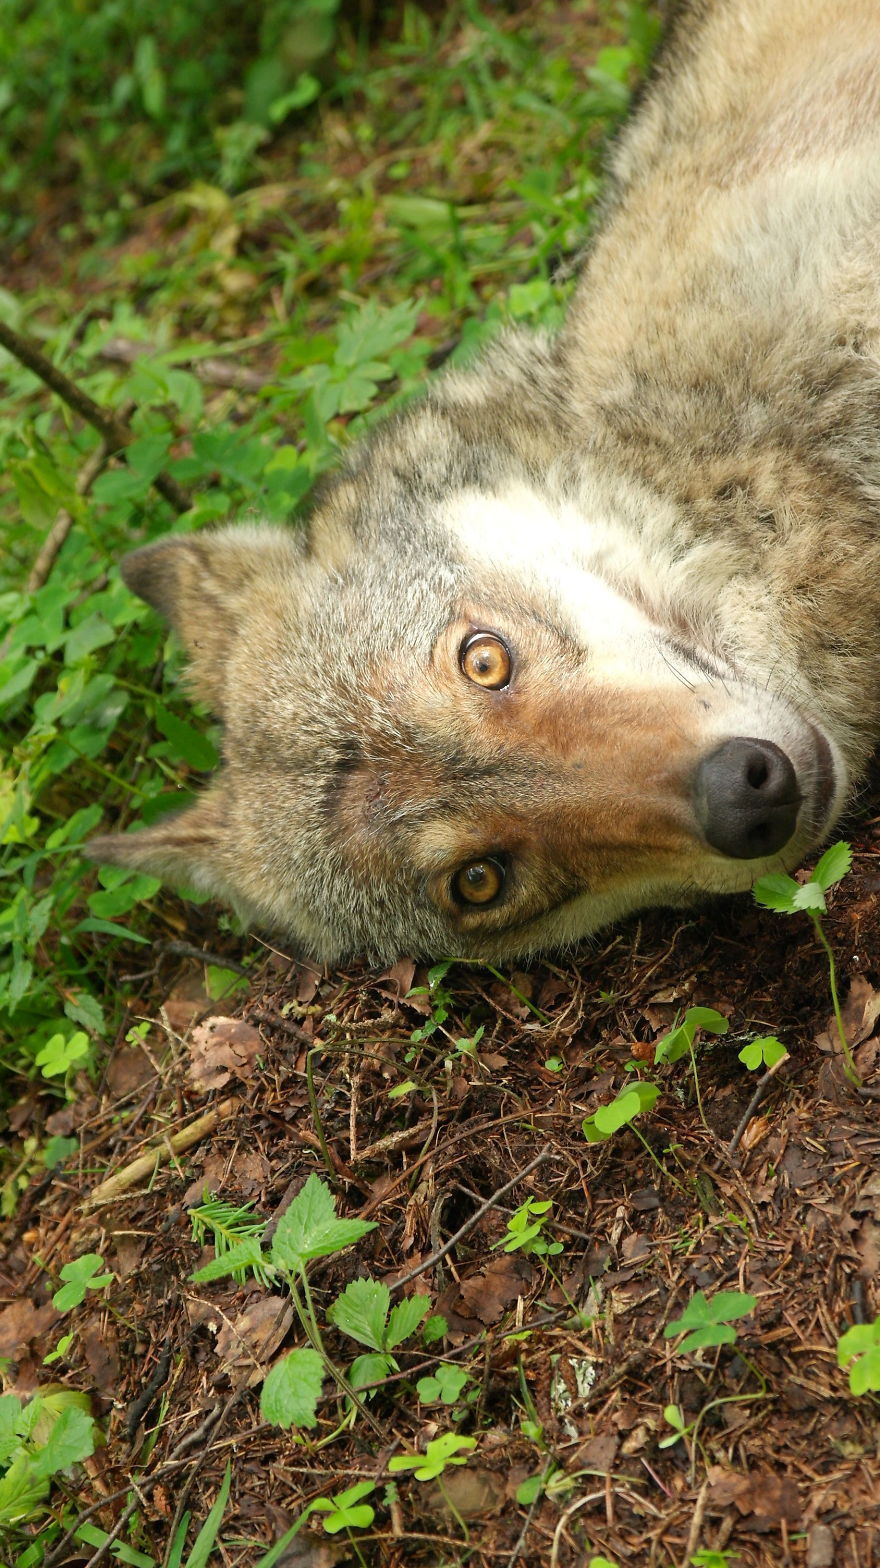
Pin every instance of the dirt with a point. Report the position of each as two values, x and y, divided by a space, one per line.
570 1369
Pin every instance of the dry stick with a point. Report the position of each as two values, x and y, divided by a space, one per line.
215 371
484 1208
117 433
64 521
753 1104
146 1164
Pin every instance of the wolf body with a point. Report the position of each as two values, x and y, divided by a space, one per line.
596 623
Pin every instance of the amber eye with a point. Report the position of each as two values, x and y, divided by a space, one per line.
486 660
479 882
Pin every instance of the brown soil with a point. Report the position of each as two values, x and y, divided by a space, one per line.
782 1464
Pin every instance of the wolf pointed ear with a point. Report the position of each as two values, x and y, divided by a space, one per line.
200 583
186 849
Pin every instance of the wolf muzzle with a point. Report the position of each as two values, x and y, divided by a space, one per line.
747 798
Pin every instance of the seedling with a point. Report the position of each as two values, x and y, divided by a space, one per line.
709 1319
712 1559
785 896
632 1101
227 1224
53 1431
765 1052
362 1312
443 1451
859 1349
445 1386
679 1041
309 1228
81 1276
525 1230
345 1510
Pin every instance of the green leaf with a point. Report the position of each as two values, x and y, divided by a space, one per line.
373 330
809 896
440 1452
59 1053
309 1227
709 1319
361 1310
81 1275
859 1349
776 892
203 1544
292 1389
189 743
631 1102
246 1254
372 1368
766 1051
833 866
405 1319
72 1439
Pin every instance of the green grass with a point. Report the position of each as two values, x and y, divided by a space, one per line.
446 171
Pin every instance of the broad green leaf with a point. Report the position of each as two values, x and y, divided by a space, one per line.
309 1227
630 1102
194 747
361 1311
373 1368
703 1338
81 1274
763 1052
292 1389
776 892
809 896
405 1318
708 1019
833 865
72 1439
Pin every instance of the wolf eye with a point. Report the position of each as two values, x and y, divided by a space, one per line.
486 660
479 882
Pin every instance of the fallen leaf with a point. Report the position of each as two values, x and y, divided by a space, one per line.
220 1047
820 1547
860 1011
21 1323
246 1343
128 1070
98 1339
490 1291
471 1492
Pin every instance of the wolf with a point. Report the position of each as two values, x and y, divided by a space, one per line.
595 624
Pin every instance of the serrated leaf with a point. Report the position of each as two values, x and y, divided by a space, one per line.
292 1389
71 1440
405 1319
833 865
776 892
809 896
309 1227
361 1310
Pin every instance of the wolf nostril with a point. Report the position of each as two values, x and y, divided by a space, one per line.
746 798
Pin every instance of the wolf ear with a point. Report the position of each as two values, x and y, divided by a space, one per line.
200 584
186 849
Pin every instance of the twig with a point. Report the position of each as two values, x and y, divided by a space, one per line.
63 523
697 1521
754 1102
484 1208
117 433
215 371
146 1164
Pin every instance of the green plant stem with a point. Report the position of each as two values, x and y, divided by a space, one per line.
850 1067
305 1311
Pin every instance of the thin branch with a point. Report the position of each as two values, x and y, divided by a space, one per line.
117 433
216 372
754 1102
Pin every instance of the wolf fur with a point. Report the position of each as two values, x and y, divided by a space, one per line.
668 516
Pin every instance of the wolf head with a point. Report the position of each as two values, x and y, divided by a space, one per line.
484 704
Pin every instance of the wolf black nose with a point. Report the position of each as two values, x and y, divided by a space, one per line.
746 798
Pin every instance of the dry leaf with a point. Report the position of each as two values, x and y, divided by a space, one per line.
21 1323
220 1047
487 1294
98 1339
473 1493
246 1343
